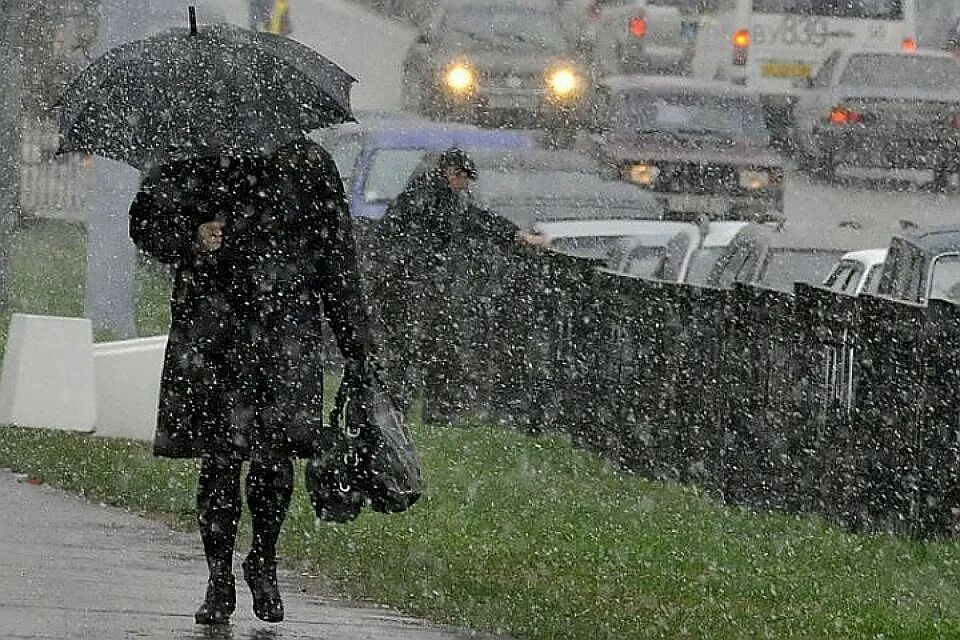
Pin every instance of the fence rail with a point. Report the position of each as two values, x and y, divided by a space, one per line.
803 402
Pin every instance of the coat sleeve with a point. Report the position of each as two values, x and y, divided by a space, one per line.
339 274
161 228
494 228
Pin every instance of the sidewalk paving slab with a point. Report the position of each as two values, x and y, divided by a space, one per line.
72 569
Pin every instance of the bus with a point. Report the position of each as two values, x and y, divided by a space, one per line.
775 46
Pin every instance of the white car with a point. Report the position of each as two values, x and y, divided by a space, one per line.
605 239
857 272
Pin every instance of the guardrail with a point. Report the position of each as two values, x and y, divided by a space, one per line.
803 402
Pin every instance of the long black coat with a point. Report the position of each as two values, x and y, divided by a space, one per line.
243 373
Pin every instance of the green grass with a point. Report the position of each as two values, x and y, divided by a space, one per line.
525 536
534 539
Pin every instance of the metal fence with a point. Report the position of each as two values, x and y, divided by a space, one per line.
804 402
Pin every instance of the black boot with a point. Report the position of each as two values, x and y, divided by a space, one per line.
220 601
261 577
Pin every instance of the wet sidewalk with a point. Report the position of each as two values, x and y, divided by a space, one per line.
72 569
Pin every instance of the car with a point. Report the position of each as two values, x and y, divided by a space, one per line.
528 197
631 36
674 251
857 272
601 239
499 63
922 265
376 159
700 146
763 254
881 110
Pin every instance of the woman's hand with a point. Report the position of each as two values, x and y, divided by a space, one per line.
210 236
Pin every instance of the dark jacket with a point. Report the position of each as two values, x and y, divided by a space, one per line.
429 232
243 373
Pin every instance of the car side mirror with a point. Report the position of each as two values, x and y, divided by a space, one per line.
423 39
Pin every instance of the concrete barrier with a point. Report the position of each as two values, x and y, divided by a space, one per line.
48 375
128 386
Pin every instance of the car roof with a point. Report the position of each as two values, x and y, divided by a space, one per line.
921 53
533 159
525 187
868 257
612 227
415 133
936 239
722 233
634 82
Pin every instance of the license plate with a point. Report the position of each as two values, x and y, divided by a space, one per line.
699 204
785 70
511 101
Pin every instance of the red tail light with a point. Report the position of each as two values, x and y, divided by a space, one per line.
843 116
909 45
638 26
741 44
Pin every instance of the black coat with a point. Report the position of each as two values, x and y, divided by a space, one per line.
243 372
430 235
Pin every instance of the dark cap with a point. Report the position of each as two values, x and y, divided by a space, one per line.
458 159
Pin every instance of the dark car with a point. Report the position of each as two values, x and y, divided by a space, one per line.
496 62
922 266
881 110
700 146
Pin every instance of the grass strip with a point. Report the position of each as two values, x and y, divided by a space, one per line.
537 540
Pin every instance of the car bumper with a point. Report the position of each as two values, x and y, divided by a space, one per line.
635 57
505 106
867 149
720 207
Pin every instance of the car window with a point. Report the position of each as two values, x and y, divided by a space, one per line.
825 73
872 282
390 169
587 246
783 268
945 278
701 263
901 71
845 277
343 148
511 28
689 113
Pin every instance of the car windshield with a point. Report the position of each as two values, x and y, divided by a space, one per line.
524 213
901 71
869 9
689 113
345 149
701 264
945 280
479 27
390 169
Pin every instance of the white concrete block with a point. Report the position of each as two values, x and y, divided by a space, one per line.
48 375
128 386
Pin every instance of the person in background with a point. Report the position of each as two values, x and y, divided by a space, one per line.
262 250
431 248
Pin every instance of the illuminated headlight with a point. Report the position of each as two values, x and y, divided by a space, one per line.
563 82
459 78
642 173
750 179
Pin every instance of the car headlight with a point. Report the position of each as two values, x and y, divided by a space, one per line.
459 78
754 179
642 173
563 82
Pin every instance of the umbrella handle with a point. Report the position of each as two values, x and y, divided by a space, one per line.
192 11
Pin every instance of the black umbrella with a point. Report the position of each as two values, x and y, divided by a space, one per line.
188 92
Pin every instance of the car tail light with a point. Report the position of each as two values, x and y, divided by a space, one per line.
741 44
638 26
909 45
843 116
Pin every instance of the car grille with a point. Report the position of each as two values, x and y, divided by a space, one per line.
507 80
693 177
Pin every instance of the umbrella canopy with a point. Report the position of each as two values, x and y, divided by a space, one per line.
187 92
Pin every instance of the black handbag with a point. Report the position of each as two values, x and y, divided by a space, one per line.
372 459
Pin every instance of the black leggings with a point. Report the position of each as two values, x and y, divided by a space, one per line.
268 488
